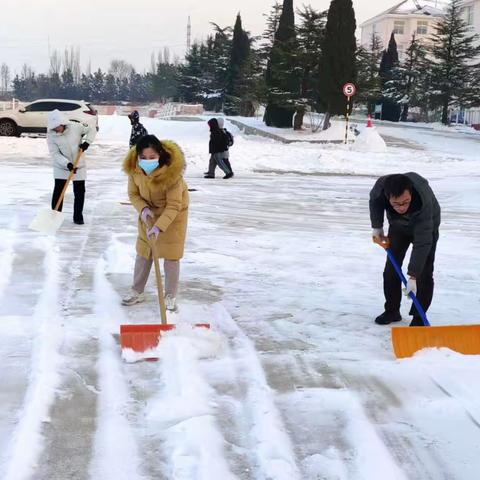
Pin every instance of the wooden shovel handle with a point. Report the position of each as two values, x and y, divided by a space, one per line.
69 179
158 276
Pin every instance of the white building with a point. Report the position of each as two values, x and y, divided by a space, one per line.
408 18
471 12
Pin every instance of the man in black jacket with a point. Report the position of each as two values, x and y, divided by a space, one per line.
413 214
218 149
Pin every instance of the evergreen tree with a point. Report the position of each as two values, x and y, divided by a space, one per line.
408 79
98 86
455 73
191 73
238 88
338 57
390 62
282 75
310 34
369 89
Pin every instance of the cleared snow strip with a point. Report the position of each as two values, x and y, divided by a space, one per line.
116 452
185 410
355 451
271 444
370 455
44 376
7 256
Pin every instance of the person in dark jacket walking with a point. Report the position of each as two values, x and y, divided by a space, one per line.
414 218
218 149
138 130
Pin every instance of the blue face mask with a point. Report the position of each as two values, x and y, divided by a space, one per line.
148 166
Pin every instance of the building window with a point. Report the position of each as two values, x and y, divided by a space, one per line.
422 27
399 27
468 12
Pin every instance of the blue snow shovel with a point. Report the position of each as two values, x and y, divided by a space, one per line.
406 341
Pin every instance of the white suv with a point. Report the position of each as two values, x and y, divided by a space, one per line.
33 117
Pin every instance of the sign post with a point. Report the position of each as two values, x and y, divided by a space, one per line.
349 90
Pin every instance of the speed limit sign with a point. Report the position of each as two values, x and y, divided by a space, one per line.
349 90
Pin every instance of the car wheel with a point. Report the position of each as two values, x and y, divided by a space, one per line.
8 128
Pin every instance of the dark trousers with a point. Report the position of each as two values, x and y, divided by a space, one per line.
392 286
223 163
78 192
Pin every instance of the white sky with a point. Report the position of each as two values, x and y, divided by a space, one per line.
125 29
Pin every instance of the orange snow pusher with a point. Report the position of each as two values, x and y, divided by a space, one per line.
141 338
407 341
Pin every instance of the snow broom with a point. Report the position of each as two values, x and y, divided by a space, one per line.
141 338
48 221
407 341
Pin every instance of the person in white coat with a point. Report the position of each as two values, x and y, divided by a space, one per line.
64 139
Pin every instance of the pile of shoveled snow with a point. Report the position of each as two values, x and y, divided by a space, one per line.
370 141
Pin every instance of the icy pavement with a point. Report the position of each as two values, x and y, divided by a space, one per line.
297 382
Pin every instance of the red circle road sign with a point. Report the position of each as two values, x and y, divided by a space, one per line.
349 90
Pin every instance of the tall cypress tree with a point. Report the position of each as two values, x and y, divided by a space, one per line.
390 109
338 57
282 79
455 73
238 71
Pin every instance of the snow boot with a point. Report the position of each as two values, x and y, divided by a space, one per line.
171 303
132 298
416 322
388 317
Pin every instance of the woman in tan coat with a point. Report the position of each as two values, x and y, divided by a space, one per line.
159 193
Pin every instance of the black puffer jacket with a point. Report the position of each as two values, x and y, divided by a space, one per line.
138 130
421 221
218 139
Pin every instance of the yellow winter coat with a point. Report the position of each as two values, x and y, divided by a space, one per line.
165 192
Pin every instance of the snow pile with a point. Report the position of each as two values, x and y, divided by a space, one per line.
201 342
370 141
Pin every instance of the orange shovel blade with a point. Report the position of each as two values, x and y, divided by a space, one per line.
460 338
141 338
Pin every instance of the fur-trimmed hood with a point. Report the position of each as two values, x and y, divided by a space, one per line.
167 175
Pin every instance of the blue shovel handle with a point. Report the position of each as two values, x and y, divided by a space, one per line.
400 274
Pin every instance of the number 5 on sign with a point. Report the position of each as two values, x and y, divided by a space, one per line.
349 90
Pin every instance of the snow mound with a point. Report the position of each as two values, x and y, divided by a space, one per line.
370 141
202 343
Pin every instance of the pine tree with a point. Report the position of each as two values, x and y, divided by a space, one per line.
191 73
238 76
282 75
338 57
310 34
405 87
455 73
98 85
369 89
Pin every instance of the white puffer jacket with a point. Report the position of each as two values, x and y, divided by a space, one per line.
64 146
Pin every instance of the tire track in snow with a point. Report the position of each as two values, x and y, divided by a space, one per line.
271 450
27 441
116 453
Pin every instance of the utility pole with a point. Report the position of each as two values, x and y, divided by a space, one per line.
189 34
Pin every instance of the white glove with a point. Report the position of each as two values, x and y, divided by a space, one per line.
378 232
411 287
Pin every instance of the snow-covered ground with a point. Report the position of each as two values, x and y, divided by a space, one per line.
294 380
